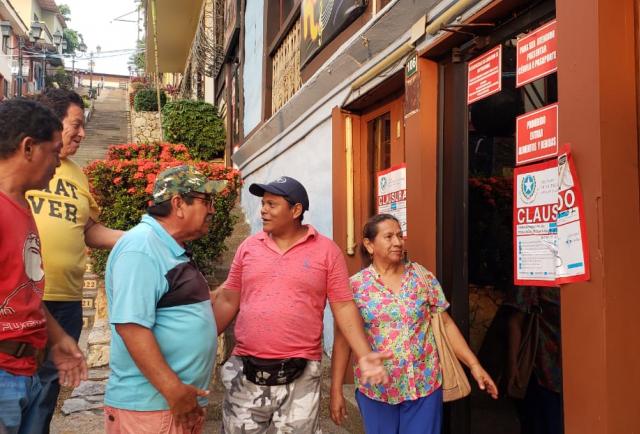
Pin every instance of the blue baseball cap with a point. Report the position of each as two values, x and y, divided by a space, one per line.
285 186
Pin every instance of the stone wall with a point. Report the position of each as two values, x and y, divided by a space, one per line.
145 127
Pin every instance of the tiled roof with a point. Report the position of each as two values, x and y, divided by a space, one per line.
48 5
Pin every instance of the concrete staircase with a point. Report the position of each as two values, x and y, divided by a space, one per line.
108 125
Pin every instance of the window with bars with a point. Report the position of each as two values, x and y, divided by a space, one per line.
283 39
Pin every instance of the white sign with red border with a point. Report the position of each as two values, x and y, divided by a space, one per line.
484 75
536 54
535 196
549 243
573 248
537 135
392 194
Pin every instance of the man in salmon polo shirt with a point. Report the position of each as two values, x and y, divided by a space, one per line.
278 285
30 143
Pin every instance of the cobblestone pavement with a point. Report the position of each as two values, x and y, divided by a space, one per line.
91 421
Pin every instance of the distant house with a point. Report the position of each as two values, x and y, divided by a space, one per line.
32 38
98 79
12 29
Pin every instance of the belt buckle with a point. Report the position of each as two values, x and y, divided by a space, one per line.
20 350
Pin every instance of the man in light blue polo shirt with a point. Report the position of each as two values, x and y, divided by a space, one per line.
163 331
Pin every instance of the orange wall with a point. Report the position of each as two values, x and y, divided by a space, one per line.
421 153
600 318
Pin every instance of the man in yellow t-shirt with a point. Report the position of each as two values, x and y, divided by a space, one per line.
67 218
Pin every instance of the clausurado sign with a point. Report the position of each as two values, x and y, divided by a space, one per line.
535 196
549 233
391 190
573 248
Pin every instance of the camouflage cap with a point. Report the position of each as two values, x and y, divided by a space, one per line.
183 180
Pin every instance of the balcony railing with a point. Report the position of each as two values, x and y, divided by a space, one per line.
286 78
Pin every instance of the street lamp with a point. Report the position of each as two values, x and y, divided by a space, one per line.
82 47
57 38
5 29
36 33
91 65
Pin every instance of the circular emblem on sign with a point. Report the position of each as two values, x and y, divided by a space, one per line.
383 184
528 188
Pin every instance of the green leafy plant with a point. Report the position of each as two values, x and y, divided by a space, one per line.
122 185
86 100
197 125
146 100
137 83
61 77
137 59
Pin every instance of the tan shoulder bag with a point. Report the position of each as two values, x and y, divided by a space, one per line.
455 384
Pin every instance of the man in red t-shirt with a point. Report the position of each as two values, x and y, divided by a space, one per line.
30 143
278 285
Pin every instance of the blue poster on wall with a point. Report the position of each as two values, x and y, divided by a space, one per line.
323 20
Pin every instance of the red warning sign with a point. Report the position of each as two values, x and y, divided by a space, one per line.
485 75
536 54
537 135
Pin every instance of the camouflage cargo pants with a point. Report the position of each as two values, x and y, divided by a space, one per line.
252 409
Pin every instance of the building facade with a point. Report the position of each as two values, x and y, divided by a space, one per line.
32 33
13 28
337 97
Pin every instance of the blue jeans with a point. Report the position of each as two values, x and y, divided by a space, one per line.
69 316
18 394
420 416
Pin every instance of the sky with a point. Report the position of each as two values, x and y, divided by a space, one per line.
94 19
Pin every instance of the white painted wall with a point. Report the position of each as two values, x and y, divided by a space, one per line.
5 67
308 161
252 68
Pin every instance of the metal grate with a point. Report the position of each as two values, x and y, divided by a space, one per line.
286 79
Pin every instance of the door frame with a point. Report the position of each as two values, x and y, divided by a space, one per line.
364 184
452 191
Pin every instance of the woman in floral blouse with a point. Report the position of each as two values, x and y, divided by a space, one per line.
396 306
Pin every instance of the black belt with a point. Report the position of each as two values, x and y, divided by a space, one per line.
17 349
22 349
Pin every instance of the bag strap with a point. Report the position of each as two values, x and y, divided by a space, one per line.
422 275
421 272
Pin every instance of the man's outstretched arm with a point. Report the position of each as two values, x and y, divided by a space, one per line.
225 304
349 321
